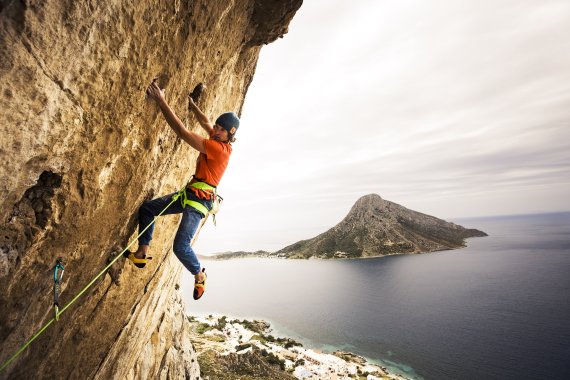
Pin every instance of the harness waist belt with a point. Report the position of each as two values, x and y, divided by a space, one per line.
194 204
201 186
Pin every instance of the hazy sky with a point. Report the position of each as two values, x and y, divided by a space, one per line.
452 108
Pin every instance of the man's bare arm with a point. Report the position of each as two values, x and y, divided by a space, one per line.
193 139
202 119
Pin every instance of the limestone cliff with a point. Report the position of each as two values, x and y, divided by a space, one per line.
377 227
81 149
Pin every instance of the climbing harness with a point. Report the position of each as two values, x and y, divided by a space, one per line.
58 270
36 335
216 201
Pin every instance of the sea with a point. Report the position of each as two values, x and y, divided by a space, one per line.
497 309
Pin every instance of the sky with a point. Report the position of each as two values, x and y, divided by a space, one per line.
448 107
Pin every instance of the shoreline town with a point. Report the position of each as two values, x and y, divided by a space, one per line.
219 337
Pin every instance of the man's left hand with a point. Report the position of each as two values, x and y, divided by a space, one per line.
154 92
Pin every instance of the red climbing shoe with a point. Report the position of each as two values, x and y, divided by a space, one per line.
200 286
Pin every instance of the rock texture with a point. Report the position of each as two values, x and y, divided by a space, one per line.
155 342
376 227
81 149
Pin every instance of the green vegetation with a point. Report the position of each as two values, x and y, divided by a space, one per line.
203 327
292 343
362 375
284 342
255 326
273 359
216 338
221 323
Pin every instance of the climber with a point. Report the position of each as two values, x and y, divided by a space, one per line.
199 192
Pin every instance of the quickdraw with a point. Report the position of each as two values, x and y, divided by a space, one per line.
58 270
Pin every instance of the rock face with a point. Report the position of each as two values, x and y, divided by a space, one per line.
81 149
376 227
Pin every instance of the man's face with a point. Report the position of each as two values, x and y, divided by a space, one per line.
220 134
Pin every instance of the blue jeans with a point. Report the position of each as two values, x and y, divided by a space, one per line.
190 220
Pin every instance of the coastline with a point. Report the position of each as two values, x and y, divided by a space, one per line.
230 348
220 257
260 254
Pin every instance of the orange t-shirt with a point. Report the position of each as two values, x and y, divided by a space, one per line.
210 166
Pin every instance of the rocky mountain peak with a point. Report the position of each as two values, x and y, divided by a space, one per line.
368 203
377 227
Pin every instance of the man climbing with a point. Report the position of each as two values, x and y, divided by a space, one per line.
198 196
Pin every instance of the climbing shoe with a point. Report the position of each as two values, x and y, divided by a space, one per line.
139 263
197 92
200 286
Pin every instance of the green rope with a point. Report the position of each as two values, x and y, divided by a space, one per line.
174 198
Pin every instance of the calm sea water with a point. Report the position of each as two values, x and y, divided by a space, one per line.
498 309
